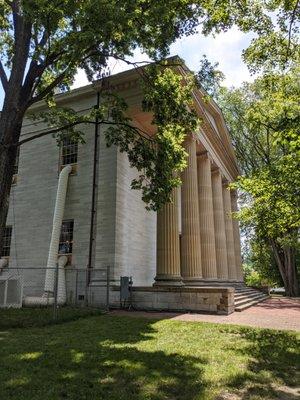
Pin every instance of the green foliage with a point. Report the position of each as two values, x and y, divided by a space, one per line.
253 279
209 77
260 267
277 45
264 120
172 106
43 43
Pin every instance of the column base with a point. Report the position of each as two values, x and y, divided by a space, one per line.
167 280
192 280
202 282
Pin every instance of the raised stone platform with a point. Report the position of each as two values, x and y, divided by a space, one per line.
215 300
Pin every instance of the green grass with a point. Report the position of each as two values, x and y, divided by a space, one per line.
124 358
33 317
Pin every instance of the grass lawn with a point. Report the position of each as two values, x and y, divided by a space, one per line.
123 358
33 317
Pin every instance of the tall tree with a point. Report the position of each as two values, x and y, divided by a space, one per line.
264 118
42 44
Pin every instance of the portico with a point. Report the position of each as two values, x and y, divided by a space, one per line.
210 240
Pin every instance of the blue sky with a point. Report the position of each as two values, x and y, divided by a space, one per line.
226 48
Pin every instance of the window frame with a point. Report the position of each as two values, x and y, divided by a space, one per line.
7 242
66 239
62 156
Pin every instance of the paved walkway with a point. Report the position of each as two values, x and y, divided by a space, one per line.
276 313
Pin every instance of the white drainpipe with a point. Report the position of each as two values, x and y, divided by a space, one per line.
56 228
47 298
61 281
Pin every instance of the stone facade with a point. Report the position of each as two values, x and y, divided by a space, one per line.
190 242
216 300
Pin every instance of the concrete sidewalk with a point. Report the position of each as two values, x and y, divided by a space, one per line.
275 313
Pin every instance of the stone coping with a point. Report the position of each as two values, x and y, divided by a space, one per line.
177 289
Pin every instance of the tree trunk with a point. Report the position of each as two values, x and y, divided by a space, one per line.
10 129
286 263
292 286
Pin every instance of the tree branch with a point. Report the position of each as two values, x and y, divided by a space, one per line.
290 29
3 77
48 89
139 131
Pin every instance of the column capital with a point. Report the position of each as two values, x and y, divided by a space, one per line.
225 181
204 155
191 137
215 170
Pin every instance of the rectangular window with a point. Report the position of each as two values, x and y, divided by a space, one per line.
66 237
69 152
6 241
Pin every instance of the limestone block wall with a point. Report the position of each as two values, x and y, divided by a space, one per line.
33 197
31 209
126 232
106 205
215 300
135 246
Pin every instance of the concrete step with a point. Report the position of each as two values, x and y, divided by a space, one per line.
240 296
245 300
245 290
251 303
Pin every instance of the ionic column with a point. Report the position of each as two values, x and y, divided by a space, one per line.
167 253
219 224
206 218
229 233
236 237
190 235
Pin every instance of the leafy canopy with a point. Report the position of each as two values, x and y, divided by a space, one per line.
43 43
271 116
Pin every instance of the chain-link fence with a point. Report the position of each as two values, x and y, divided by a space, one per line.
55 290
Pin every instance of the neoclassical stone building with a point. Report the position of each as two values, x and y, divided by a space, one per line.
189 252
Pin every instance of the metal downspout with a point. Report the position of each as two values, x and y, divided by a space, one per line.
93 224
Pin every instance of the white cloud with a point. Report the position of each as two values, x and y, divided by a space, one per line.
225 48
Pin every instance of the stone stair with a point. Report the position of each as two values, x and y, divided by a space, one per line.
245 297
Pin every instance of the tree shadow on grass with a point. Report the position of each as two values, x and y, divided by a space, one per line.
274 356
99 361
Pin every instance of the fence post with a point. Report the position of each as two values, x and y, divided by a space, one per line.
107 287
87 287
76 287
55 293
